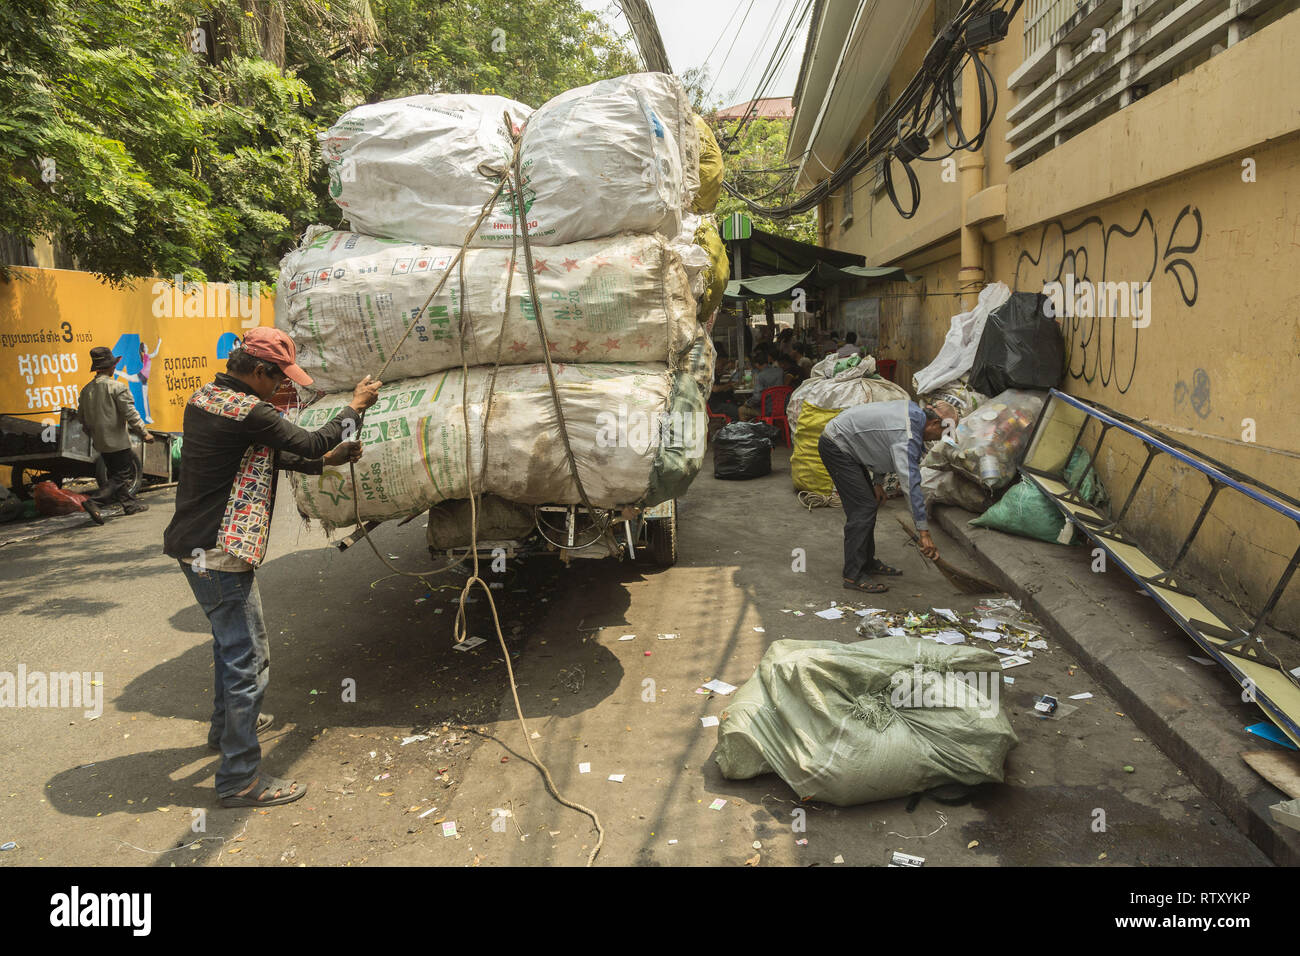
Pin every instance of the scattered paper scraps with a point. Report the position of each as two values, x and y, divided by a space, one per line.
716 686
709 721
947 637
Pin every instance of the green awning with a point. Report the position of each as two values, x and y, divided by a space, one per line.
820 276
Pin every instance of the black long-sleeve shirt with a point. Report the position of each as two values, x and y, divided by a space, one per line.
213 450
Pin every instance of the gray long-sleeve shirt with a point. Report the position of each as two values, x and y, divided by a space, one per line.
107 411
885 437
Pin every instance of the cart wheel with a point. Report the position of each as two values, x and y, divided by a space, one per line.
137 473
25 479
661 537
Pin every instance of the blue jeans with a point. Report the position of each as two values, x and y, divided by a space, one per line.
241 659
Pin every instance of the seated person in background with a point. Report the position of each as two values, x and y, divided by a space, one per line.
722 399
784 342
790 370
767 374
850 346
800 353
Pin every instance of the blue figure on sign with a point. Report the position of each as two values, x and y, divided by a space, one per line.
227 343
134 367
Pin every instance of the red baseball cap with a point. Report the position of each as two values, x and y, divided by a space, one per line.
275 346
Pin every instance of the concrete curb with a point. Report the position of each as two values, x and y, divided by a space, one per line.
1191 712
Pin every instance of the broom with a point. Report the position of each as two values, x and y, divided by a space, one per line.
961 580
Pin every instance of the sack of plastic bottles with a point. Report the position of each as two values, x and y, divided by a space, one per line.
988 444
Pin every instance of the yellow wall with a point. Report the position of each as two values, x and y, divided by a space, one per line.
51 318
1152 193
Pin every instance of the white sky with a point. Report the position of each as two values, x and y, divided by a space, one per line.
742 35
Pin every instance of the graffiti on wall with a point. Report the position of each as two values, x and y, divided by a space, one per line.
1103 349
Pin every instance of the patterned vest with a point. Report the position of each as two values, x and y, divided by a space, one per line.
246 525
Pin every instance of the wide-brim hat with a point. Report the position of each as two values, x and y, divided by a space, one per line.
102 358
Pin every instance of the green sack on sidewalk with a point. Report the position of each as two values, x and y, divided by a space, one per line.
1026 511
873 720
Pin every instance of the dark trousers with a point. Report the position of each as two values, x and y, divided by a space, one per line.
121 469
859 501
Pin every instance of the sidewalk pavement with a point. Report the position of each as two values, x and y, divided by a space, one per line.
1192 712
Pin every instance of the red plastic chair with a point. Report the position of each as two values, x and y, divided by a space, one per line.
887 368
771 408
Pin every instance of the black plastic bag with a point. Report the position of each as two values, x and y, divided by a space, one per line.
743 450
1020 348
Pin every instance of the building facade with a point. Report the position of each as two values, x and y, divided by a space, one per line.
1146 142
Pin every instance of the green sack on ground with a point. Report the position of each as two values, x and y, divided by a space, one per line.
873 720
1026 511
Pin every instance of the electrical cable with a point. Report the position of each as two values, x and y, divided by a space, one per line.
899 134
739 30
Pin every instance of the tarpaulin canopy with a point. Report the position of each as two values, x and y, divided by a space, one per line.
820 275
766 253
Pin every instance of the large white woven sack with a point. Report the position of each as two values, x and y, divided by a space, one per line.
853 386
347 299
637 433
620 155
414 167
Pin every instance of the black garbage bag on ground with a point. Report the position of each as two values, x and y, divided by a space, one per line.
743 450
1020 347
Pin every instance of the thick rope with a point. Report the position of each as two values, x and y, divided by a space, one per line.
461 627
546 343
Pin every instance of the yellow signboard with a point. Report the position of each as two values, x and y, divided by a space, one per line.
171 338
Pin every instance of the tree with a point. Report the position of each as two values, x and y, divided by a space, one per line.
756 166
163 137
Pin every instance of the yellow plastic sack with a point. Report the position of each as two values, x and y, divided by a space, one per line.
717 273
706 200
806 466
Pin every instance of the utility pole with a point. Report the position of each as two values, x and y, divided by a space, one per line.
646 31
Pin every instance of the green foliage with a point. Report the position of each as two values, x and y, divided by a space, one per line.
756 166
204 163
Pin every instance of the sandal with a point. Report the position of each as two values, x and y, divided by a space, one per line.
264 722
880 567
262 786
867 587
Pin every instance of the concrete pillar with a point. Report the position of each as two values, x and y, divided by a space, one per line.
970 279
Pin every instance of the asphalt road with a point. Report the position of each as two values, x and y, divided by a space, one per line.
134 785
